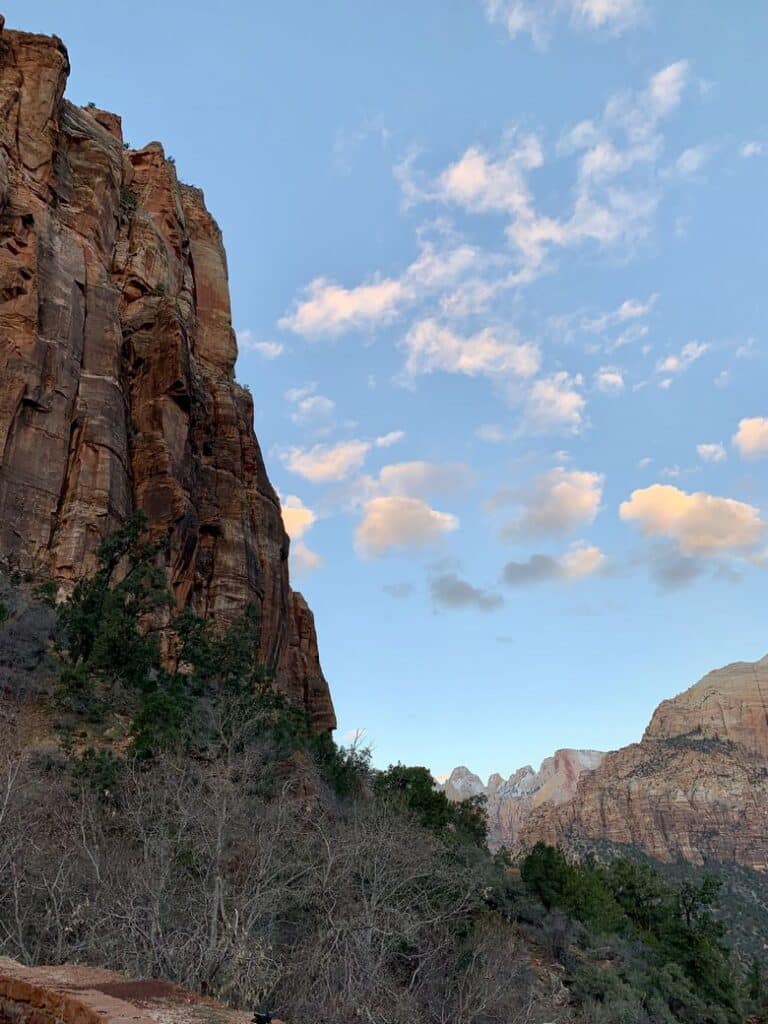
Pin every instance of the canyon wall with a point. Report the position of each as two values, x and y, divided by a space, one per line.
696 786
509 802
117 387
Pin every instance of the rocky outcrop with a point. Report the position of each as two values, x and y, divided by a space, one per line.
117 356
75 994
695 788
511 801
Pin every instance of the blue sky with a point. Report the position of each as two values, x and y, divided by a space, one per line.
498 273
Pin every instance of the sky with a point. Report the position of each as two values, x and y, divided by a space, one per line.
498 278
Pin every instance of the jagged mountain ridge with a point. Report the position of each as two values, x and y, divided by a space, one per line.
117 387
510 801
694 789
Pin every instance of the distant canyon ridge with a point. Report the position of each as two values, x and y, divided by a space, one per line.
695 788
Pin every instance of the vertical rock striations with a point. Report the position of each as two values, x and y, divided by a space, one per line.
117 356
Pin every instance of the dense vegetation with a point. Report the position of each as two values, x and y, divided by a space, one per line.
189 824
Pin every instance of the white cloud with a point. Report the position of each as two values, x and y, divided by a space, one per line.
691 160
419 479
430 347
308 404
328 309
666 88
609 380
556 502
630 309
298 519
484 184
554 404
538 17
303 559
387 440
681 361
751 439
327 463
698 523
248 342
394 521
714 452
605 210
582 560
752 148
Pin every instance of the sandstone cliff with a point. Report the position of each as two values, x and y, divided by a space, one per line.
511 801
117 356
695 788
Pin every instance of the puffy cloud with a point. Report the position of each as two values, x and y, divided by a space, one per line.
714 452
579 562
431 347
327 463
297 519
483 184
248 342
418 479
609 380
451 591
681 361
582 560
308 404
537 17
698 523
557 502
328 309
395 521
751 439
752 148
554 404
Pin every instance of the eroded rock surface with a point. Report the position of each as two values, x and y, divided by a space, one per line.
511 801
75 994
117 386
695 788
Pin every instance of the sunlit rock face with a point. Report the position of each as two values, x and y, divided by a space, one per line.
511 801
695 788
117 388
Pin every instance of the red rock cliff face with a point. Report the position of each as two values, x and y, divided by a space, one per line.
117 356
695 788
